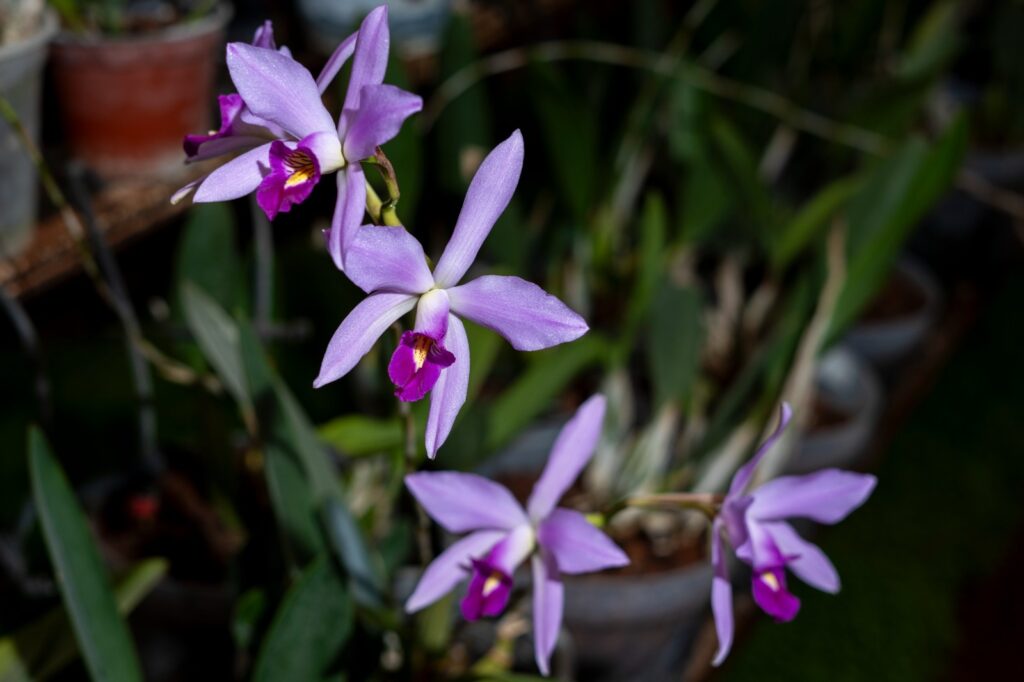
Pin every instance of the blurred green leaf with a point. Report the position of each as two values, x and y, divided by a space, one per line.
356 435
932 43
207 256
249 608
293 503
405 152
484 347
42 648
674 343
650 264
891 203
741 166
218 337
550 372
812 220
102 636
707 200
309 629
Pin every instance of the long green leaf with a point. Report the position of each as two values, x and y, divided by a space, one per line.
102 636
218 337
309 629
355 435
674 344
812 220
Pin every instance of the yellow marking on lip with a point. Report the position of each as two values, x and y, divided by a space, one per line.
769 579
301 166
492 583
420 348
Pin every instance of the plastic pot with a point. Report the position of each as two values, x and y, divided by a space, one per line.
128 102
21 77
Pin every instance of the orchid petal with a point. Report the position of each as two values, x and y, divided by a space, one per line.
771 593
721 595
224 145
522 312
488 196
570 453
368 65
335 62
187 189
746 472
264 36
810 563
576 545
384 108
359 331
236 178
548 600
432 314
387 258
826 496
279 89
349 208
463 502
449 568
449 392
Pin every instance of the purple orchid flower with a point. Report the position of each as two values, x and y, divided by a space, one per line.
502 535
755 525
389 264
276 89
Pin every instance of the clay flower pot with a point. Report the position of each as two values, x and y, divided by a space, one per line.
128 102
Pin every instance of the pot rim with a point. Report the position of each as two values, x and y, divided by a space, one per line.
216 20
47 30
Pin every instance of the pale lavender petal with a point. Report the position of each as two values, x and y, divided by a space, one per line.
224 145
810 564
359 331
335 62
349 208
522 312
384 108
368 65
746 472
548 600
387 258
187 189
721 595
463 502
450 568
432 314
825 496
488 195
576 545
450 390
236 178
279 89
264 36
570 453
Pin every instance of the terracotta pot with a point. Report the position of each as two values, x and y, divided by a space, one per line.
128 102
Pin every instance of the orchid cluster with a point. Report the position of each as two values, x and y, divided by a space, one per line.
286 140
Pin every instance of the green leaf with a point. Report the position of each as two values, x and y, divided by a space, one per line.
207 256
932 43
405 152
39 650
674 344
484 346
309 629
218 337
891 203
650 266
102 636
355 435
740 165
550 372
249 610
293 502
812 220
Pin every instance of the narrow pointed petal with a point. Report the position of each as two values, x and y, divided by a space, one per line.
449 392
526 315
279 89
383 110
745 473
359 331
349 208
387 259
432 314
548 601
187 189
211 149
264 36
236 178
335 62
450 568
463 502
826 496
810 565
368 65
570 453
721 596
488 196
576 545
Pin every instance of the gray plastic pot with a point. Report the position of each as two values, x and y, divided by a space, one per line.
886 342
846 384
21 79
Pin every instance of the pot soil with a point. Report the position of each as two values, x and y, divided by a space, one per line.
127 103
21 76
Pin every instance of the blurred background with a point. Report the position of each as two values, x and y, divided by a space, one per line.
808 200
